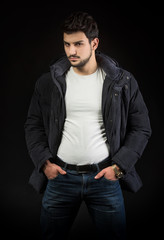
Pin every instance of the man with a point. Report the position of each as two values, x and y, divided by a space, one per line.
86 128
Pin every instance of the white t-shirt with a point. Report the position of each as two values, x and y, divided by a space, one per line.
84 140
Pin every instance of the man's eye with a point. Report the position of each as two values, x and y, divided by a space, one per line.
78 44
66 44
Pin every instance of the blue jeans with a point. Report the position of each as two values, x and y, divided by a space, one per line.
64 195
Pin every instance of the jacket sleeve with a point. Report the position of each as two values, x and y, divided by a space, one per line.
138 130
35 134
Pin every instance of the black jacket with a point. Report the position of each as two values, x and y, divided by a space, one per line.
124 113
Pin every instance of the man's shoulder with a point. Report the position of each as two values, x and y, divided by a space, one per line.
44 84
44 80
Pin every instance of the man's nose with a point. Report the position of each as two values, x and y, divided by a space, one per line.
72 50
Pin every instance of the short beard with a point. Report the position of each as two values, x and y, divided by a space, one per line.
83 62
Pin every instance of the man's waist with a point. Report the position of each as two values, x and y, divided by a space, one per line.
84 168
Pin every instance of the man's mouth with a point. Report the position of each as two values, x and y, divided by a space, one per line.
73 58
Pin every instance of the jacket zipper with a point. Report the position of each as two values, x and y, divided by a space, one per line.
111 119
112 111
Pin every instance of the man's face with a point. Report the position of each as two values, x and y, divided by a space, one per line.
77 48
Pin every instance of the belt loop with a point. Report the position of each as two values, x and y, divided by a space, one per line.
65 166
98 169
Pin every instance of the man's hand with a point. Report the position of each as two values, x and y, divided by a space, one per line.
108 173
51 170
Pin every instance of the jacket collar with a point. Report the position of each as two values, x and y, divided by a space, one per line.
109 65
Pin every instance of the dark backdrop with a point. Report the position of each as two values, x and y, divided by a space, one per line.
30 40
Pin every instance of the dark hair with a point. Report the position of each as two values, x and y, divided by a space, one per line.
81 21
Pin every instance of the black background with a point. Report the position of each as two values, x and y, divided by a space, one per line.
30 40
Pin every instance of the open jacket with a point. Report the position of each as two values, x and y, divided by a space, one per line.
124 113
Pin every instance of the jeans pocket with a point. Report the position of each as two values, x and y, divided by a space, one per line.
109 180
53 179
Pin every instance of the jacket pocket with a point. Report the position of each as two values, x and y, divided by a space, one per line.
131 181
38 181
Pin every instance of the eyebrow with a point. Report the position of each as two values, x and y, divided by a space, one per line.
80 41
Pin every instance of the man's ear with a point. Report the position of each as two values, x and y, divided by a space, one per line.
95 43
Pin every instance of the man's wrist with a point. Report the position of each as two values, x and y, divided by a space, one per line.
118 172
45 165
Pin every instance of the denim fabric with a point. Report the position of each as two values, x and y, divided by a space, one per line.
64 195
